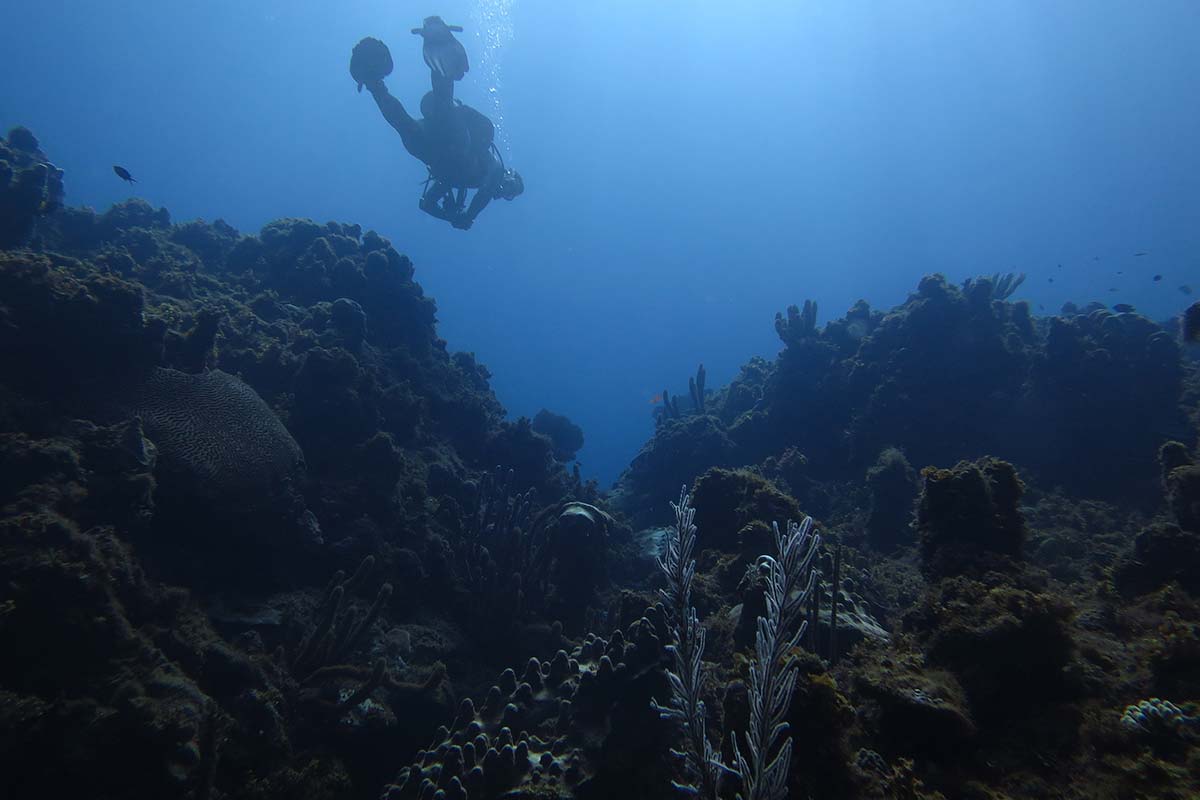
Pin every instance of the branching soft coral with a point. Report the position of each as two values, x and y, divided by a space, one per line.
763 767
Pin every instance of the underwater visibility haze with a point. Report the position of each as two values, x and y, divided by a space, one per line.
519 399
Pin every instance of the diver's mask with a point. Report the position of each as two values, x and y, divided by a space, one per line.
511 185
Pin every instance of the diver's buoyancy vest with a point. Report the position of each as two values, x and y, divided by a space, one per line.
480 138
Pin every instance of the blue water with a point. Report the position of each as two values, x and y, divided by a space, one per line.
691 167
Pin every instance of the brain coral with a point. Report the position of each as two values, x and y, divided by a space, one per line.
216 437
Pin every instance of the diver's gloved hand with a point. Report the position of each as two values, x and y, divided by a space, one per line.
462 222
443 53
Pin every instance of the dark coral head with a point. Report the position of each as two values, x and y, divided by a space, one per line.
969 515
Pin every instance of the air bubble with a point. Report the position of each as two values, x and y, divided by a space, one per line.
492 22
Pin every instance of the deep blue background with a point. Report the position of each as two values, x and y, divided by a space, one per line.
692 167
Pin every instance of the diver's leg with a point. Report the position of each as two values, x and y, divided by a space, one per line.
443 88
432 201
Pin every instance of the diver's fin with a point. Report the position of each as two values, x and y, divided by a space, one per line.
447 58
444 54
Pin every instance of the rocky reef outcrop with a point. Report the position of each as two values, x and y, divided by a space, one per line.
952 373
1008 571
30 186
197 428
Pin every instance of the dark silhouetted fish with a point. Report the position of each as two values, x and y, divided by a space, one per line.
1123 308
1191 323
124 175
1185 289
1050 279
1157 278
1140 253
444 54
1112 288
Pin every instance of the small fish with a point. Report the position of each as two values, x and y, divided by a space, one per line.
1157 278
1185 289
1123 308
1120 272
124 175
1060 266
1191 323
1041 307
1112 288
1095 258
656 399
1050 279
1140 253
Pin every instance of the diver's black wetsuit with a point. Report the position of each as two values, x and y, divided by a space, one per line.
455 141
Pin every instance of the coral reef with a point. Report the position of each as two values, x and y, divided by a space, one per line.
30 186
992 657
1160 718
198 428
1073 403
952 373
968 517
566 435
553 730
1164 551
1008 645
1181 477
736 508
235 416
893 485
911 708
680 451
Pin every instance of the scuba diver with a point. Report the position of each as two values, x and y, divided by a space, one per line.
455 141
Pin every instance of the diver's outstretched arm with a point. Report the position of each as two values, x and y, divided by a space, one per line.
393 111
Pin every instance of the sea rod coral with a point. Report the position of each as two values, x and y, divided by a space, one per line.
763 767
